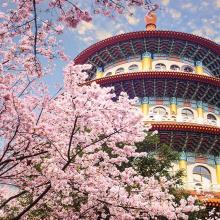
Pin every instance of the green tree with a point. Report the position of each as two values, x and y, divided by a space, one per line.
159 160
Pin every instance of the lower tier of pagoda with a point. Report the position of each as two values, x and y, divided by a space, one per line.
199 147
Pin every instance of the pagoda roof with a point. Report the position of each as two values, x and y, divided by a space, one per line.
210 199
166 84
169 43
212 202
194 138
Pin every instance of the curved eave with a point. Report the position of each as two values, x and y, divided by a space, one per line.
189 137
203 197
181 46
83 56
213 202
166 84
161 75
186 127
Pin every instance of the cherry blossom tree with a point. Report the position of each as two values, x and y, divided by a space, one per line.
63 156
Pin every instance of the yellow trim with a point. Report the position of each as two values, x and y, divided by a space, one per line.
173 109
199 69
218 173
99 75
146 64
183 166
145 109
200 112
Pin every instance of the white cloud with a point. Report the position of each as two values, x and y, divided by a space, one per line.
217 3
174 13
88 32
191 24
100 35
205 31
87 40
198 32
120 32
187 5
84 27
217 39
132 19
165 2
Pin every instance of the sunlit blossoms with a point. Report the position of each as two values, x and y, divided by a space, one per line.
67 156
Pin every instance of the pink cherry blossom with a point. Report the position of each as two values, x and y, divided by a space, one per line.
60 153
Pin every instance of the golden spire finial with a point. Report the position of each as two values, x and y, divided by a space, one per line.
151 18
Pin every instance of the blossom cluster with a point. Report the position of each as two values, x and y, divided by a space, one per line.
67 157
65 153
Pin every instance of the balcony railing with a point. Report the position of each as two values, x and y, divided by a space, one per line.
201 187
156 117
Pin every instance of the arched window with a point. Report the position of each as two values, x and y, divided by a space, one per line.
201 175
160 111
120 70
187 113
133 68
175 67
211 118
108 74
187 69
160 66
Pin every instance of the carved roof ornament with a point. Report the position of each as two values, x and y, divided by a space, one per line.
151 17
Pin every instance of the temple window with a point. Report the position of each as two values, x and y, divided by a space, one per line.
201 175
120 70
211 118
187 69
175 67
187 113
160 66
160 111
133 68
108 74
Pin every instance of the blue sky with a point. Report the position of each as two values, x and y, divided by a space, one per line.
200 17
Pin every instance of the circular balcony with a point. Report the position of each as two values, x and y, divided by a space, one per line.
180 119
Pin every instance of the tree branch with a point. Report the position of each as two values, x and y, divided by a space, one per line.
36 28
33 203
11 198
71 137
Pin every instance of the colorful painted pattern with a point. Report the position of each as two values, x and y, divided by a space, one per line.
170 43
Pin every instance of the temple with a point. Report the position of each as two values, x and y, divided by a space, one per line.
176 77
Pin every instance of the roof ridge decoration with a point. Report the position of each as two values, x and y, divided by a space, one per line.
143 34
161 74
201 49
158 33
176 126
151 18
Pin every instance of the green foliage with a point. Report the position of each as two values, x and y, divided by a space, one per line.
43 212
159 160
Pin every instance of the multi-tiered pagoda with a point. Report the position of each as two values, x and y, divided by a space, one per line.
177 79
